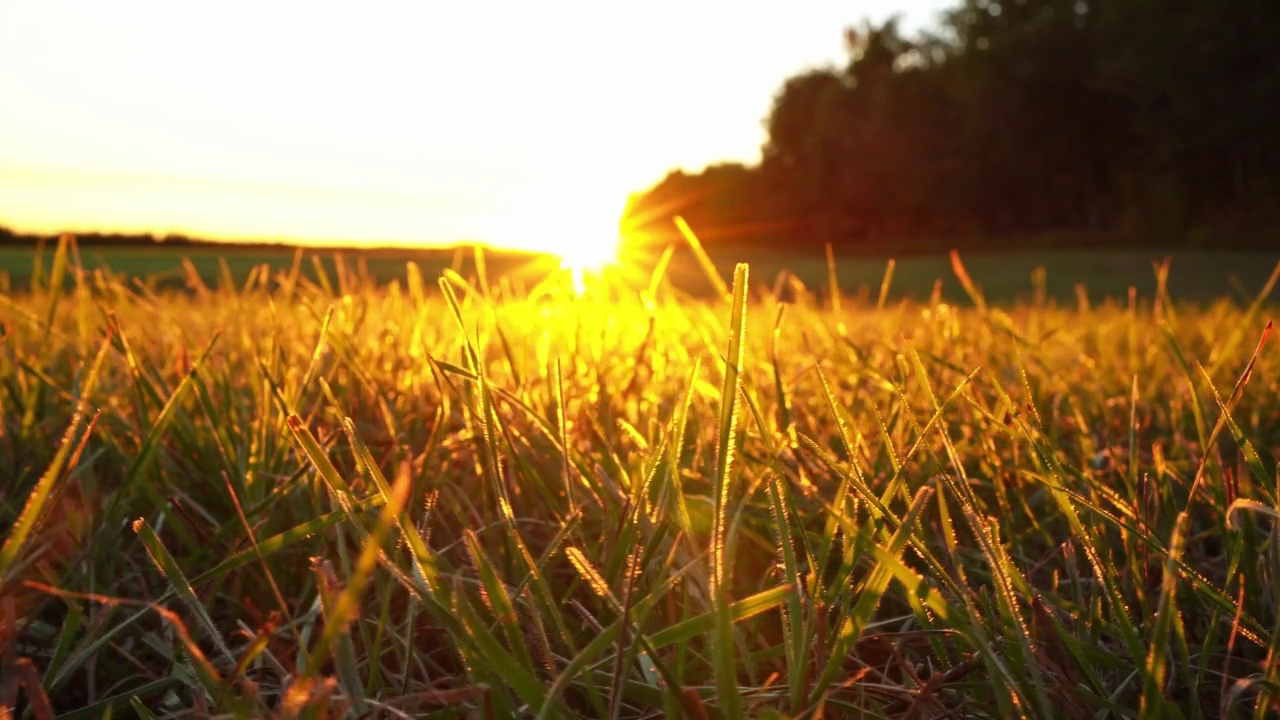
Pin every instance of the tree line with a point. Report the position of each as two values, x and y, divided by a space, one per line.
1142 122
109 239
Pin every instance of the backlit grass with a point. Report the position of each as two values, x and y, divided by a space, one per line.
323 497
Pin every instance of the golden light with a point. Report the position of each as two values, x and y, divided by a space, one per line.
580 225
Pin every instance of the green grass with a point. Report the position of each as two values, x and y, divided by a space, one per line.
458 495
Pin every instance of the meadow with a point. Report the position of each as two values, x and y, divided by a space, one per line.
1006 277
313 491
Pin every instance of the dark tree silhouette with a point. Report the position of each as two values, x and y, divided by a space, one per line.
1134 121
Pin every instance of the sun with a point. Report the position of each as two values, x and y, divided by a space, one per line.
588 243
582 226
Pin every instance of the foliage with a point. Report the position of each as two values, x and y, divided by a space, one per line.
1146 120
299 497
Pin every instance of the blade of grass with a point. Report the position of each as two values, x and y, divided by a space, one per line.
151 444
966 282
870 594
743 609
57 274
563 432
722 642
885 285
44 489
659 272
708 267
346 606
498 600
795 635
833 289
1236 393
1154 704
178 582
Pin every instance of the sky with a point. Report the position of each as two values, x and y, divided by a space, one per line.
386 122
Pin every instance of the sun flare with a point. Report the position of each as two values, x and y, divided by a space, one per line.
583 228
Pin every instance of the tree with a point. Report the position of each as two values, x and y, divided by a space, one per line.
1148 119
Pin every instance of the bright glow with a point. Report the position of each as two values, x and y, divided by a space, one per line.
576 220
392 122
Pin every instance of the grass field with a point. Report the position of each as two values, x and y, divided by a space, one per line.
1005 277
453 496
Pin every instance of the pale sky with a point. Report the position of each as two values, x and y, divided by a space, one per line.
385 121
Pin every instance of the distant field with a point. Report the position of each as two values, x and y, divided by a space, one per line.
1005 277
163 267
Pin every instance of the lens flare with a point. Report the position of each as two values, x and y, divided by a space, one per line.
582 228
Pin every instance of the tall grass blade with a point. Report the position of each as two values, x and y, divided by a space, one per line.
970 288
833 286
1236 393
659 272
345 608
743 609
708 267
425 562
722 642
57 277
562 430
795 635
498 600
178 582
885 284
870 594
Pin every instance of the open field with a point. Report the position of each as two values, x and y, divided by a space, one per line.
1004 277
327 497
161 267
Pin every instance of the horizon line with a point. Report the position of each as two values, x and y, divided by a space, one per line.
182 237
